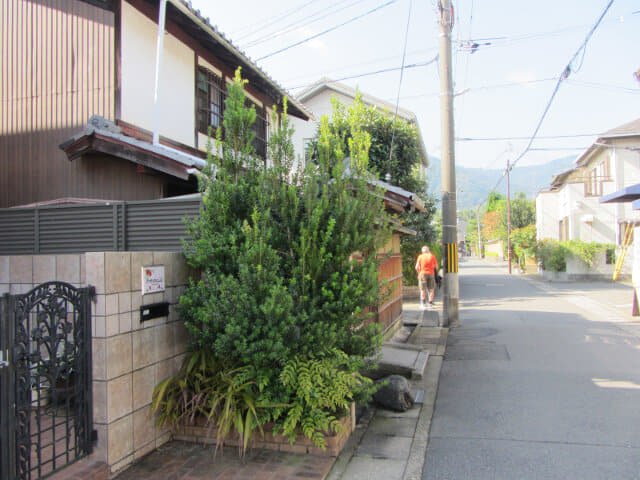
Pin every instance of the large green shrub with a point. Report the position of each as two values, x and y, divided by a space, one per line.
553 254
523 243
280 285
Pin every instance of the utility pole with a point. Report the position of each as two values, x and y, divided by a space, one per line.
508 216
450 291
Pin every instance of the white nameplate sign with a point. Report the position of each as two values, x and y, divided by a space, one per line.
152 279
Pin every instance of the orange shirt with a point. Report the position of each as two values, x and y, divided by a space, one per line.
426 263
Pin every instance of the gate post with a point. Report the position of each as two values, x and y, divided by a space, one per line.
7 438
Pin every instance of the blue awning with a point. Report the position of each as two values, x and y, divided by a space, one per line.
628 194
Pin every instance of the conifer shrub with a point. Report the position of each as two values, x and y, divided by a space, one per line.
281 295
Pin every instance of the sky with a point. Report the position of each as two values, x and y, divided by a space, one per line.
502 88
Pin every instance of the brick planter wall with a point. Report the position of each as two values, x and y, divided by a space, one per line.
200 433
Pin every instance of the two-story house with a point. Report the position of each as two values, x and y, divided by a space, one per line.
63 62
569 208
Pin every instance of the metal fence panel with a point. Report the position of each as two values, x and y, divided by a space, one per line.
131 226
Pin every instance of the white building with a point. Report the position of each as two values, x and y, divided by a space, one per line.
569 209
317 101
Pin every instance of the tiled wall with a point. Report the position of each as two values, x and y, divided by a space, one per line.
129 357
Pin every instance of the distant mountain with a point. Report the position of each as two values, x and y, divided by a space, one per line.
473 184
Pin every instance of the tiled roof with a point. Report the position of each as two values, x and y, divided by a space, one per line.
628 129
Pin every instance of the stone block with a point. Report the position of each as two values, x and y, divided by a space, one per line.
117 270
83 270
100 447
44 268
162 439
111 304
125 322
166 369
112 325
119 355
139 260
152 298
144 347
99 358
68 268
20 288
100 402
141 451
4 269
94 274
122 464
165 340
144 381
143 427
181 269
99 306
100 326
4 288
181 335
21 269
119 398
124 302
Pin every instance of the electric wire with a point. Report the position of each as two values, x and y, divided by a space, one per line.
302 23
565 73
543 137
261 25
404 55
375 72
324 32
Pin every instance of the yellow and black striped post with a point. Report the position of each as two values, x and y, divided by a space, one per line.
452 258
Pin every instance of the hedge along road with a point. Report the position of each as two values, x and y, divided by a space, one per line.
541 380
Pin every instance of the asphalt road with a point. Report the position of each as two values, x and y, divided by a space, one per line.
540 381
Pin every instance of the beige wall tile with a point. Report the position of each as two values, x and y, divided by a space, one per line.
119 355
152 298
143 427
117 270
162 439
99 358
141 451
164 342
99 307
144 381
83 270
68 268
100 447
181 269
165 369
144 347
125 322
4 269
21 269
44 268
139 260
111 304
100 326
4 288
95 270
112 323
100 402
19 288
119 398
120 440
121 465
124 302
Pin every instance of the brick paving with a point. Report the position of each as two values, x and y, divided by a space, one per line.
187 461
85 469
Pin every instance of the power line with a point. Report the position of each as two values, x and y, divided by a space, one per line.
565 74
301 22
375 72
404 55
261 25
502 139
324 32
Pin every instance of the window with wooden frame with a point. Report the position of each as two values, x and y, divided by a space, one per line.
563 229
596 177
211 94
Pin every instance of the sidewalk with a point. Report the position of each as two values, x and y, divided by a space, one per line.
385 444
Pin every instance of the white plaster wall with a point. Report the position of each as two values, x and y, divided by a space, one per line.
177 86
547 215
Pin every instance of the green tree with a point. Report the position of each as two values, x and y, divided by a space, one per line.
281 289
495 201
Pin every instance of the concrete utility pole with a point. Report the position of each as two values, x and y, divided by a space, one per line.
509 216
450 291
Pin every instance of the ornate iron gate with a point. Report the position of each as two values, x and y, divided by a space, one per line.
45 395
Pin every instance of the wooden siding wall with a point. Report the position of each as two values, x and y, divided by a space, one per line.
56 70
